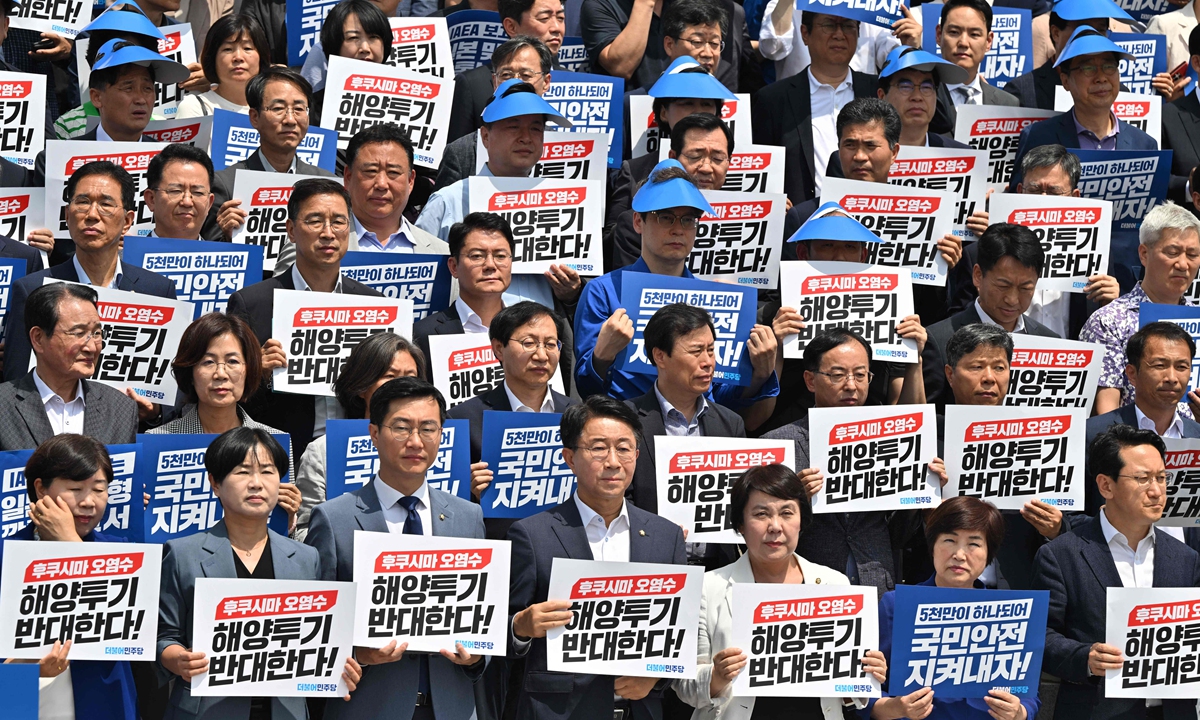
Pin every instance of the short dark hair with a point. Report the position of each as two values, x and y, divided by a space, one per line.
864 111
482 222
966 513
576 417
232 446
671 322
679 15
181 152
404 388
311 187
513 9
257 87
1104 454
704 123
1054 155
1018 242
194 344
226 28
969 338
105 77
659 105
368 362
505 51
979 6
778 481
1194 42
1135 348
512 318
380 134
107 169
66 457
373 21
41 307
828 340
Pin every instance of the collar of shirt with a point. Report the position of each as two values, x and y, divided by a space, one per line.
268 167
642 267
987 320
389 496
1113 535
1174 430
517 406
47 394
302 285
975 87
83 276
399 241
101 135
594 523
1084 132
470 319
673 416
815 85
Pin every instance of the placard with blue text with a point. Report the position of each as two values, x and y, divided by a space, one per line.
593 103
234 139
424 279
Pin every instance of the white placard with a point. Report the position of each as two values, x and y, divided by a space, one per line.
960 172
464 366
22 210
65 18
421 45
1183 483
264 197
1074 232
643 133
64 157
1144 112
1154 628
741 244
1048 372
755 169
565 156
23 110
996 129
192 131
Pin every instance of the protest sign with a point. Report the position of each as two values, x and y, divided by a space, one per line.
909 220
22 117
351 459
102 596
1010 456
195 131
565 156
645 138
272 638
303 22
1134 180
593 104
65 17
423 279
11 270
1149 59
421 45
572 55
205 273
431 592
964 642
874 458
628 618
524 453
234 139
732 309
19 688
464 367
741 244
554 222
996 129
264 197
1144 112
883 13
1143 10
14 497
359 94
755 169
319 330
474 36
64 157
695 476
804 640
1011 52
22 210
867 299
178 45
1075 234
960 172
1182 508
1186 317
1158 632
1051 373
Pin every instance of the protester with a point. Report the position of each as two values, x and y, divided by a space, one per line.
179 191
964 35
235 50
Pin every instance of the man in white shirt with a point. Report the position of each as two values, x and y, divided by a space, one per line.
965 37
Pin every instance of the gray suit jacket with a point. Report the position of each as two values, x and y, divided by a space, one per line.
109 415
209 554
390 691
458 160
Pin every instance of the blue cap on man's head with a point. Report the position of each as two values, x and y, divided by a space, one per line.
1077 10
832 222
515 98
124 17
906 58
676 83
1086 41
117 52
676 192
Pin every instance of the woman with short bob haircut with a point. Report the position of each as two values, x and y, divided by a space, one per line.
769 508
235 50
243 470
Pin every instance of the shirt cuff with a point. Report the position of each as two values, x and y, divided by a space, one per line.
520 647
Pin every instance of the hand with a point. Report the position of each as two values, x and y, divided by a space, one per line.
1004 705
1193 400
763 351
787 322
910 328
787 204
634 688
615 334
874 663
55 662
481 477
60 51
1102 289
41 239
352 674
907 29
1168 87
460 656
54 520
289 500
273 356
917 705
726 666
937 466
535 620
230 217
950 246
813 480
145 499
387 654
565 283
1103 657
146 409
183 663
196 82
1046 519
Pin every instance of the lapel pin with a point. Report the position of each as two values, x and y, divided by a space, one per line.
442 516
818 581
642 533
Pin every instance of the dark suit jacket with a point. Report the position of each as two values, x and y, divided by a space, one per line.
13 175
1181 134
458 161
472 90
223 190
782 115
945 117
16 335
293 414
1077 568
109 415
1060 130
1124 415
559 532
11 248
1035 89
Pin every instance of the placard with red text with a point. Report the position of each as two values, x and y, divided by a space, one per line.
64 157
1158 633
421 45
565 156
996 129
1075 234
741 244
1183 483
264 197
465 366
961 172
23 109
1048 372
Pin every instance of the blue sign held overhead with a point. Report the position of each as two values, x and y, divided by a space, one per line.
1144 10
1149 59
351 459
593 103
234 139
304 19
883 13
474 36
424 279
524 453
205 273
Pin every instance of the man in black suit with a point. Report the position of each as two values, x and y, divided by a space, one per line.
319 224
13 175
1010 262
1181 132
599 439
965 37
1120 547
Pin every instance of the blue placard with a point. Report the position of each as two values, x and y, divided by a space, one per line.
424 279
593 103
234 139
11 270
732 309
474 36
351 459
572 55
1143 10
181 501
876 12
1149 59
1185 316
1134 180
14 498
1012 47
19 688
524 453
304 20
205 273
965 642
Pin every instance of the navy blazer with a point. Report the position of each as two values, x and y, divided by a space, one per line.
1060 130
16 336
11 248
1077 568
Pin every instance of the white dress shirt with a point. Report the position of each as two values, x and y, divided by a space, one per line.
986 320
826 102
324 408
470 319
1135 567
1051 308
609 543
83 276
517 406
675 422
64 417
791 54
395 514
973 95
400 241
102 136
56 697
268 167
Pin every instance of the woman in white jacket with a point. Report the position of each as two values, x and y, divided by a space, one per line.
769 507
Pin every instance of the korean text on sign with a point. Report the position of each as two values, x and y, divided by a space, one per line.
351 459
1158 633
1074 233
740 244
593 104
1182 508
64 157
205 273
997 130
1053 373
962 173
524 453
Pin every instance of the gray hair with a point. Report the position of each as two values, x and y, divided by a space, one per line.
1048 156
1164 218
969 338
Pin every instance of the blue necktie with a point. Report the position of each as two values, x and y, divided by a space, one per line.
412 526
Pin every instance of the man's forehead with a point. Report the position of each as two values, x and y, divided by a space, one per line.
281 90
606 427
965 17
850 352
985 352
420 409
865 131
700 29
323 202
700 138
916 76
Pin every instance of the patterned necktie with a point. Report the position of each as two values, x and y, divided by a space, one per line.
413 526
968 95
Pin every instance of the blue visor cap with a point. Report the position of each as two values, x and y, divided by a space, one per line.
509 101
115 53
1076 10
673 193
909 59
674 83
824 225
1086 41
131 20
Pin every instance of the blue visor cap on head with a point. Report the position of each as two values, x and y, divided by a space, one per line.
909 59
824 225
508 102
1077 10
674 83
673 193
115 53
1086 41
131 20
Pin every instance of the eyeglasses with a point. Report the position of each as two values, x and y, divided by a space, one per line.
85 335
596 453
1090 69
1039 190
829 27
82 205
175 194
428 433
837 377
696 158
530 345
233 366
906 87
525 75
697 43
317 224
667 220
479 257
1144 480
279 111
